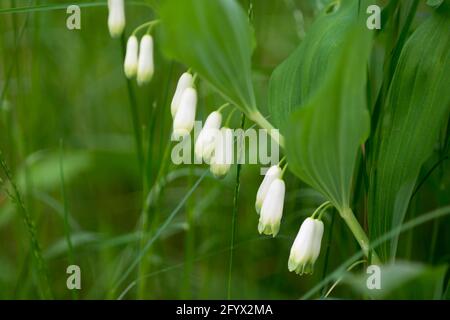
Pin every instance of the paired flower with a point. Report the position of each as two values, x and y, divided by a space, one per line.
116 17
306 247
139 59
223 153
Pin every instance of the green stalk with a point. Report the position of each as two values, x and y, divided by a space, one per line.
67 231
259 119
44 283
359 234
134 116
233 219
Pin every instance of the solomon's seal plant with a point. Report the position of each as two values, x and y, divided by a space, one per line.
360 118
317 99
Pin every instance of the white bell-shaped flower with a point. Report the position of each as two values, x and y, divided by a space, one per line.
131 57
116 17
273 173
206 140
145 64
185 117
223 153
306 247
186 81
272 208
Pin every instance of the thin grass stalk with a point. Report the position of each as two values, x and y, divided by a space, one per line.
67 230
44 283
234 217
148 175
134 114
328 249
158 232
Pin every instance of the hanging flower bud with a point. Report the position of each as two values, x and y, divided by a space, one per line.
273 173
223 153
131 57
116 17
205 144
145 63
272 208
186 81
185 117
306 247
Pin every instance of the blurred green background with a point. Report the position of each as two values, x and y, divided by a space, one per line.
65 103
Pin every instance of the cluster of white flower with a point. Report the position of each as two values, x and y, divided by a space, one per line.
139 61
269 205
139 57
215 145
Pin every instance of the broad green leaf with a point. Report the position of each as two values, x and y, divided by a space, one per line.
41 169
324 135
213 38
417 105
434 3
403 280
307 68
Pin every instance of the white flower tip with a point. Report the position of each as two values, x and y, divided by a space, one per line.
206 140
219 170
272 208
186 81
185 117
131 57
269 229
306 247
116 17
271 175
145 64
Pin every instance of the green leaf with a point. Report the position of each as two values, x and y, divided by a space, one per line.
417 105
305 71
324 135
406 281
434 3
213 38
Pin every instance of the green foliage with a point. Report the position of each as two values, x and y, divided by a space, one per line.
214 38
306 70
416 108
324 135
403 281
364 116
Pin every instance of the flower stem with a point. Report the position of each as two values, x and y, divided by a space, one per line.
149 25
259 119
359 234
233 220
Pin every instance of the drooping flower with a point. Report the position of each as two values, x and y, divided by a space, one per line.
306 247
116 17
186 81
272 208
223 153
145 64
185 117
205 144
131 57
273 173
